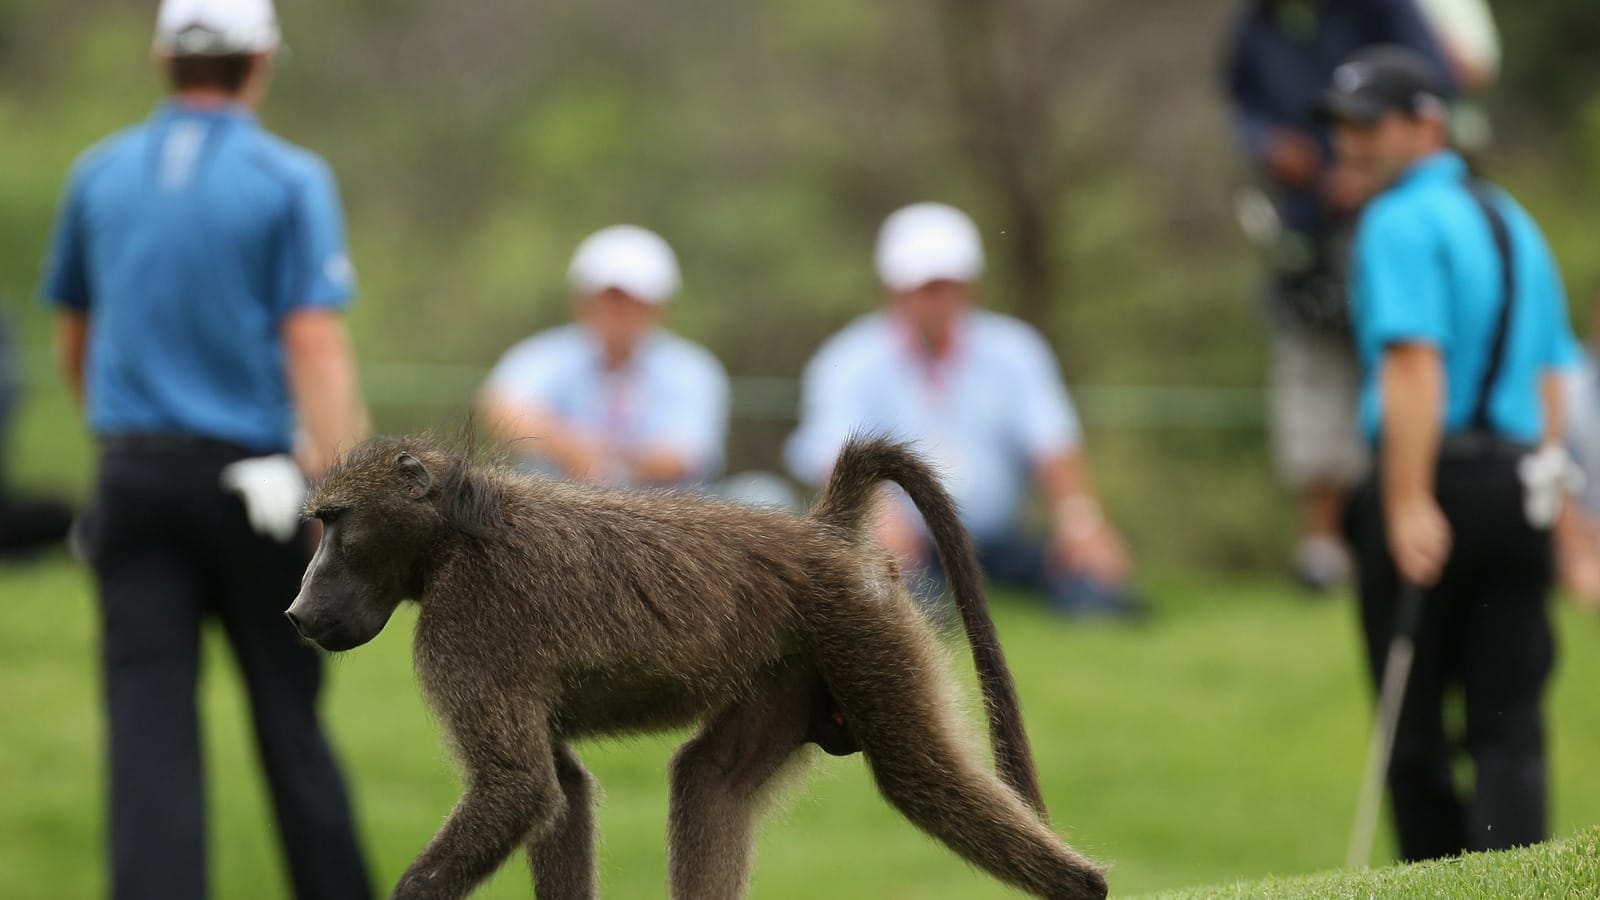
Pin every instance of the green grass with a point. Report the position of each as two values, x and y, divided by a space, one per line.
1559 869
1222 742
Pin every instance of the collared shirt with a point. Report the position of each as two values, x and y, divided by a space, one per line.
672 394
985 413
187 239
1426 270
1282 59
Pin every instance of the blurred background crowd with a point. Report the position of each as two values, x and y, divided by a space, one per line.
1096 148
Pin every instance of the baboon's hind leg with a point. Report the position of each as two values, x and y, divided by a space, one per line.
890 683
563 858
717 781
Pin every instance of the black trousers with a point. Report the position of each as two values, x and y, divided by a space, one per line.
1485 633
31 525
170 549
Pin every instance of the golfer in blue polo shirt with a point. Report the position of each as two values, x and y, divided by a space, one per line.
198 267
1461 322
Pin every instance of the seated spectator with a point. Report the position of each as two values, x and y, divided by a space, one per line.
613 397
980 394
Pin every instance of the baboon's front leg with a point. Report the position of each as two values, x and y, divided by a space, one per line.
563 860
512 795
717 781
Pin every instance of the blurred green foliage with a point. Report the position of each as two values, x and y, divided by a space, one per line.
477 143
1551 59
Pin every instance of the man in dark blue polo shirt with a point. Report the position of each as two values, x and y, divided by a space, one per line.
198 267
1461 323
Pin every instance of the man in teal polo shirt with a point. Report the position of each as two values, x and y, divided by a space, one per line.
198 268
1461 323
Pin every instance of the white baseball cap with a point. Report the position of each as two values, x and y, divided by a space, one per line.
627 258
215 27
928 242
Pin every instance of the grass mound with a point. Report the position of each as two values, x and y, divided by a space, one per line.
1559 869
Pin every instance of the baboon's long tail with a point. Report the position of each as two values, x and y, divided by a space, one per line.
845 502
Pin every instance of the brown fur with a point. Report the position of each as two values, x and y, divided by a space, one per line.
552 612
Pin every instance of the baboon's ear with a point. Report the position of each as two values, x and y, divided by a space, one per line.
414 475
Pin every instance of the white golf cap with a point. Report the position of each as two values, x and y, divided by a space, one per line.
928 242
633 260
215 27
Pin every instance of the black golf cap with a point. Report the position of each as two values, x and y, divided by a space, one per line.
1378 80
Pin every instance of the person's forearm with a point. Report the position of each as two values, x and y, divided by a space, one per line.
657 465
1573 527
1413 400
1555 414
533 432
1082 536
1068 490
72 341
324 387
1062 476
506 422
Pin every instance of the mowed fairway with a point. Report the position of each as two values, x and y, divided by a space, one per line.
1222 741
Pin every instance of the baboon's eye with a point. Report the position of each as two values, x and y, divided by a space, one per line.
329 514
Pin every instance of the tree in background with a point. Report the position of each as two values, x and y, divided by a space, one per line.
1003 61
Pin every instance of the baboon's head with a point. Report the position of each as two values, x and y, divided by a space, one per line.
383 509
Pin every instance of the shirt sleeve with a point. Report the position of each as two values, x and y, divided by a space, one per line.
1567 352
1252 119
320 274
66 276
1563 351
832 408
695 421
1401 295
1044 420
527 374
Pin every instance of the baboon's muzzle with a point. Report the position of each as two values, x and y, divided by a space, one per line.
333 636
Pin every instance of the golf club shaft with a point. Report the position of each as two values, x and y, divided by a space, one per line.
1391 696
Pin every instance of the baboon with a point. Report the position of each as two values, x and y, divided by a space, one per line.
551 611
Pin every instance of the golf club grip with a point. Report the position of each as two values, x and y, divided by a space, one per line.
1408 613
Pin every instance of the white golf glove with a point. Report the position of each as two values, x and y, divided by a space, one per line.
272 489
1548 475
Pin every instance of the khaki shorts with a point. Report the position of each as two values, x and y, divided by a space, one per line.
1316 389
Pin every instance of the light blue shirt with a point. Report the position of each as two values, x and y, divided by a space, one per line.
1580 395
985 413
673 394
187 239
1425 270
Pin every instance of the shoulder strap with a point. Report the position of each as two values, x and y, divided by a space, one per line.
1483 193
